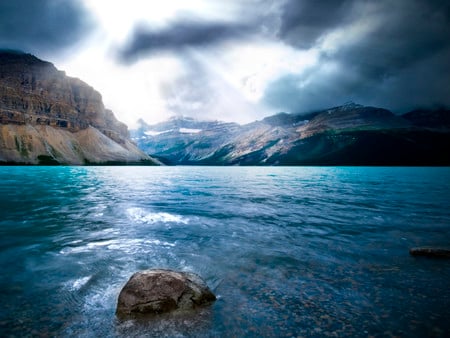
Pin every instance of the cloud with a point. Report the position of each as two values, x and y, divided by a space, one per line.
391 54
45 26
200 92
180 35
305 21
241 60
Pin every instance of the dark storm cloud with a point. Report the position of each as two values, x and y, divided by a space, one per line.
410 32
179 35
401 64
44 26
303 22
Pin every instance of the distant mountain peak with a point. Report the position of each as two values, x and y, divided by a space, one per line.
181 118
347 106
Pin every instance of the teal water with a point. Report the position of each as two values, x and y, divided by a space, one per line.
289 251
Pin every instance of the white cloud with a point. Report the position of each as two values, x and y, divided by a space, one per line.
236 78
131 91
249 67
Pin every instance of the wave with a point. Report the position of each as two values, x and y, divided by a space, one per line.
77 284
142 216
126 245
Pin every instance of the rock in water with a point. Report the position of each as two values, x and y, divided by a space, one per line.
430 252
159 291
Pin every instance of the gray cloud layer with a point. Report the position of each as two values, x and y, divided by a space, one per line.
44 26
401 64
181 34
303 22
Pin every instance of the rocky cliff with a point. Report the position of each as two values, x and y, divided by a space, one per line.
47 117
346 135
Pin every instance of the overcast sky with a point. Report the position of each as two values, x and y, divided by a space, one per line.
240 60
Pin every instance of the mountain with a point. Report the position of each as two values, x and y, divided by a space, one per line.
183 140
47 117
351 134
438 119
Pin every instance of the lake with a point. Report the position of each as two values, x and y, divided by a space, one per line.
289 251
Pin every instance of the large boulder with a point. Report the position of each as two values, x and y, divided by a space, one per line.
157 291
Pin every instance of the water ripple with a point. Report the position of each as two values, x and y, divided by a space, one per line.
289 251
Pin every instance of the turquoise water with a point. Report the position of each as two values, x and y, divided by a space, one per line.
289 251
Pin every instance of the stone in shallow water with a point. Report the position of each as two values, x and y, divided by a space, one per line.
159 291
430 252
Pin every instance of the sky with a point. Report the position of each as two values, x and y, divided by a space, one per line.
240 60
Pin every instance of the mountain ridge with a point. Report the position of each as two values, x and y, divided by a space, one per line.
351 134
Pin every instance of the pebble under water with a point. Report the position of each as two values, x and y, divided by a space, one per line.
289 251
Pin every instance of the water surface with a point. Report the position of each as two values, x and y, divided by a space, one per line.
289 251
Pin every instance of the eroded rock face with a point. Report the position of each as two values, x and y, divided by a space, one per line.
46 114
158 291
34 92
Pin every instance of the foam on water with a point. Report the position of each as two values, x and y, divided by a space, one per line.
77 284
125 245
140 215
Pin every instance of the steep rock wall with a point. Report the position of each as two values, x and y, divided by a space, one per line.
40 105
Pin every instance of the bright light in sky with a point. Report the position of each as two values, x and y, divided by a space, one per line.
240 60
238 73
119 17
131 91
250 67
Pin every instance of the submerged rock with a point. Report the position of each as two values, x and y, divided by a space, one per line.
430 252
159 291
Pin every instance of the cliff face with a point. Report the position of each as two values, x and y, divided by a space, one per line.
45 114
